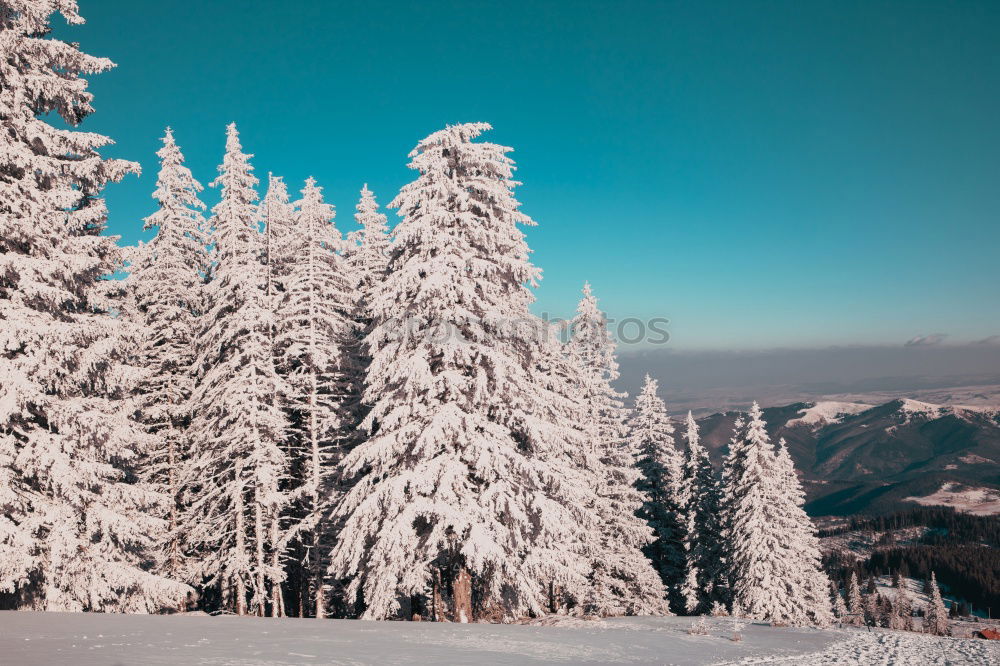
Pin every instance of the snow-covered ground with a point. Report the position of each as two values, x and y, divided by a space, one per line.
977 501
891 648
84 639
827 412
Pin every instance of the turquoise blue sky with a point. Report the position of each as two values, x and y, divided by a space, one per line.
762 173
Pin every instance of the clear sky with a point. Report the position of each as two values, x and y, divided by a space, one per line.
762 173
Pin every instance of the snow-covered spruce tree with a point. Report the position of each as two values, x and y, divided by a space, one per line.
839 607
468 474
870 604
369 249
902 607
855 603
165 288
809 583
772 576
74 529
277 216
237 463
623 580
935 615
702 534
314 343
651 437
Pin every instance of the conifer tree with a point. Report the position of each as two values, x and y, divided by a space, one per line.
165 286
855 604
277 216
936 615
903 606
237 463
623 580
870 605
661 483
369 250
74 529
468 473
315 334
839 607
703 583
807 580
771 548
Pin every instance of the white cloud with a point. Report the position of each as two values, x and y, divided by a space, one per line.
926 340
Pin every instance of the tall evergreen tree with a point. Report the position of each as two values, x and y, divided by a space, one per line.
839 607
651 436
369 249
468 472
935 615
903 607
315 335
165 285
855 603
702 586
771 550
74 529
237 461
806 579
277 216
623 580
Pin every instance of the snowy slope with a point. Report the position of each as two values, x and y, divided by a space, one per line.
977 501
827 412
35 639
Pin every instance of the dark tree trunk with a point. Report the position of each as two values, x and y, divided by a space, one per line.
462 595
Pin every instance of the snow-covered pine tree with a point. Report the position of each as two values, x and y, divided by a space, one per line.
237 461
277 216
469 471
165 288
935 615
839 607
754 540
902 606
855 603
623 580
314 342
651 436
731 465
367 262
808 582
703 581
74 531
774 562
369 250
870 604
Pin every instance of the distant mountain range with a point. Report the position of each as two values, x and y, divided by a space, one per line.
857 458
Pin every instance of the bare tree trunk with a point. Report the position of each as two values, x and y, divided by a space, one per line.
174 549
553 599
241 554
277 599
259 593
320 601
436 596
462 596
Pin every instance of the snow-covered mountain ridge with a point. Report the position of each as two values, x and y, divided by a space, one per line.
857 457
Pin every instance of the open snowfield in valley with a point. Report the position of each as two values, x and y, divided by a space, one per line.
91 639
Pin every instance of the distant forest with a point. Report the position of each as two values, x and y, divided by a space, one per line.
961 549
